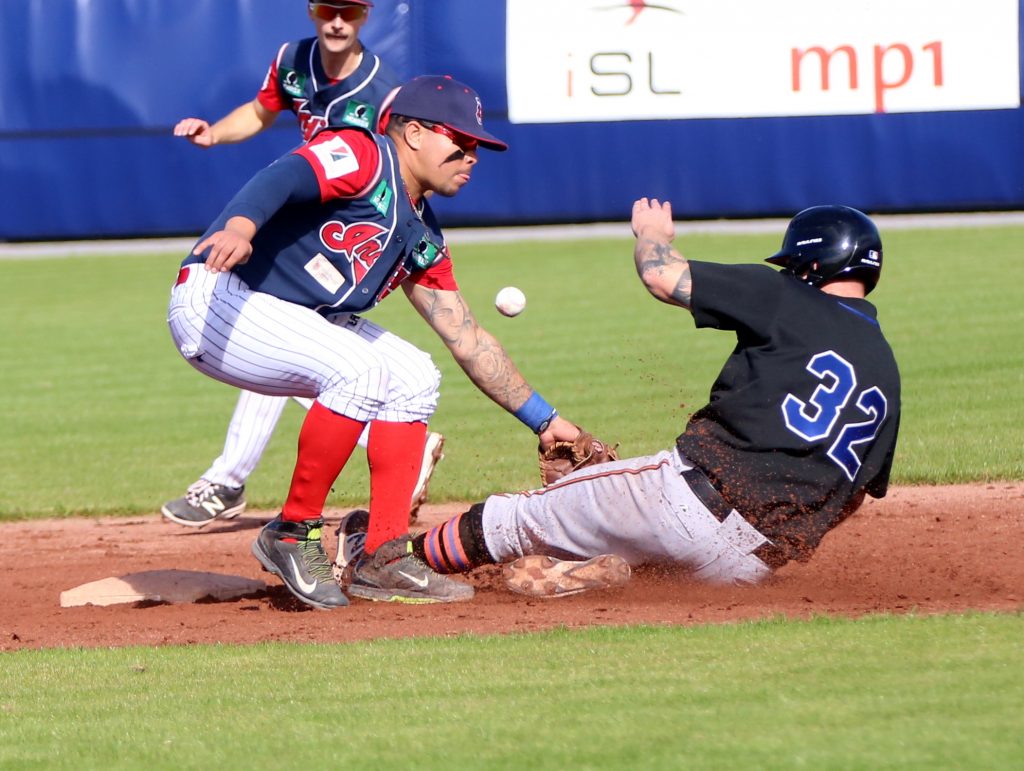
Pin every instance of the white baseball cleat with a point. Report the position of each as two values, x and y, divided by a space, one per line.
432 455
537 575
351 542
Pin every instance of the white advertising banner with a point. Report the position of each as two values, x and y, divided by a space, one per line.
607 60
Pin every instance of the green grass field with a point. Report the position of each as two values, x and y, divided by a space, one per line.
101 416
935 693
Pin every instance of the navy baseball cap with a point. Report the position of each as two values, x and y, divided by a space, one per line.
441 99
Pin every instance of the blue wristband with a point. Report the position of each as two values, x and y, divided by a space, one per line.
536 413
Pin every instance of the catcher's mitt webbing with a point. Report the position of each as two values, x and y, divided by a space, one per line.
565 457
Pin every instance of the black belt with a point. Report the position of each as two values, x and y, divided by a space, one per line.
713 501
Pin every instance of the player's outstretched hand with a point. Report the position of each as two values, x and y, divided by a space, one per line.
229 247
655 214
195 130
560 430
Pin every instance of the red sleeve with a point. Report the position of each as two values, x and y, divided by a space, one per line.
347 162
438 276
270 95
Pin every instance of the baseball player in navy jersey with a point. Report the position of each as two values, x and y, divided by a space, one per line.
801 424
328 79
269 299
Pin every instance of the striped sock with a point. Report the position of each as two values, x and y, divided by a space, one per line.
455 546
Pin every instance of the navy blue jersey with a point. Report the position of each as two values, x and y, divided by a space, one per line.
296 81
804 415
336 229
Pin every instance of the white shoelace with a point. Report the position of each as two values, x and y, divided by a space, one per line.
199 491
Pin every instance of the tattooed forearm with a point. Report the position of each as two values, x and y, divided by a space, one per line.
488 365
480 355
654 256
664 271
446 312
684 286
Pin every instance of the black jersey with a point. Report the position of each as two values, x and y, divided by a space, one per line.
804 415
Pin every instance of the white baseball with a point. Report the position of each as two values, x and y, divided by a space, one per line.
510 301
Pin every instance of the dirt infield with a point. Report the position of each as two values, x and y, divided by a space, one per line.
922 549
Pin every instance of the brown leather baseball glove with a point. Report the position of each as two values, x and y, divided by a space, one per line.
565 457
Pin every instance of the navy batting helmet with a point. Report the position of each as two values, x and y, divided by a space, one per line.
825 243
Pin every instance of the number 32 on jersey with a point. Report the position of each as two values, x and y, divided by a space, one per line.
818 418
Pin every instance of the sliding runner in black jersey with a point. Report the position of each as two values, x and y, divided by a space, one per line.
801 424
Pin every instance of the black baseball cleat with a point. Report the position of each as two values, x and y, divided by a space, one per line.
394 574
293 552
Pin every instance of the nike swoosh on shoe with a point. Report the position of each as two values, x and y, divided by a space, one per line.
420 582
304 585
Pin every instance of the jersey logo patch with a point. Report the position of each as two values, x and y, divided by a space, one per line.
380 198
361 243
426 254
359 114
336 157
326 275
292 82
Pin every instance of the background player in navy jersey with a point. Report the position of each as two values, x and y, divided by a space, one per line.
267 301
801 424
328 79
331 78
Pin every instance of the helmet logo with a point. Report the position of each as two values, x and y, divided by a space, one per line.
809 241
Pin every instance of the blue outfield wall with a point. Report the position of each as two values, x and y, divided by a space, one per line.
92 89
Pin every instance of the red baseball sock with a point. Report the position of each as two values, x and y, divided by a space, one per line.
395 454
326 441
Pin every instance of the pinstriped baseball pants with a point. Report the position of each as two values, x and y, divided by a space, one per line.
261 343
